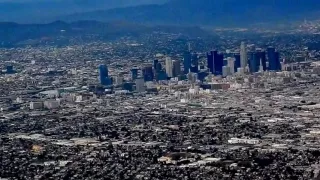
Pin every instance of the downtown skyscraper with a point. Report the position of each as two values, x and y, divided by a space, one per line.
169 67
243 55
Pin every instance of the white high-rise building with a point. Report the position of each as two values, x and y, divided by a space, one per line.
140 86
243 55
231 64
261 66
169 67
225 71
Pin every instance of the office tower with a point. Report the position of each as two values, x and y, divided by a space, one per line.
211 57
161 76
210 61
140 87
225 71
134 73
128 86
243 55
169 67
262 59
218 64
176 68
277 59
194 63
104 75
147 73
261 66
155 62
9 69
215 62
119 80
158 67
254 62
231 64
274 59
237 62
187 58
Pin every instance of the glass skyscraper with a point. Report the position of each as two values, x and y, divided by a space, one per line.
148 73
254 62
104 75
274 59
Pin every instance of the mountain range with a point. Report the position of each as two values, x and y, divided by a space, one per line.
12 34
209 12
177 12
40 11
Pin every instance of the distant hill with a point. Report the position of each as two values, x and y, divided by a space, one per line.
12 34
39 11
209 12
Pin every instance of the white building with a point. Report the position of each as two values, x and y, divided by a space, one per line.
169 67
140 86
36 105
243 141
243 55
231 64
225 71
52 104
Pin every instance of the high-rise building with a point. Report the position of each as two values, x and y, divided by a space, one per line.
140 86
262 59
148 73
134 73
158 67
155 62
278 63
274 59
243 55
176 68
231 64
9 69
225 71
237 63
187 58
169 67
104 75
218 64
210 60
215 62
119 80
194 63
254 62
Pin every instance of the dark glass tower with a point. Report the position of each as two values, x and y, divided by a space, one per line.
274 59
155 62
134 74
148 73
218 64
254 62
194 68
211 60
104 75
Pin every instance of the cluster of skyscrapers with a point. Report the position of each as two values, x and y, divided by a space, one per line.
256 60
252 61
